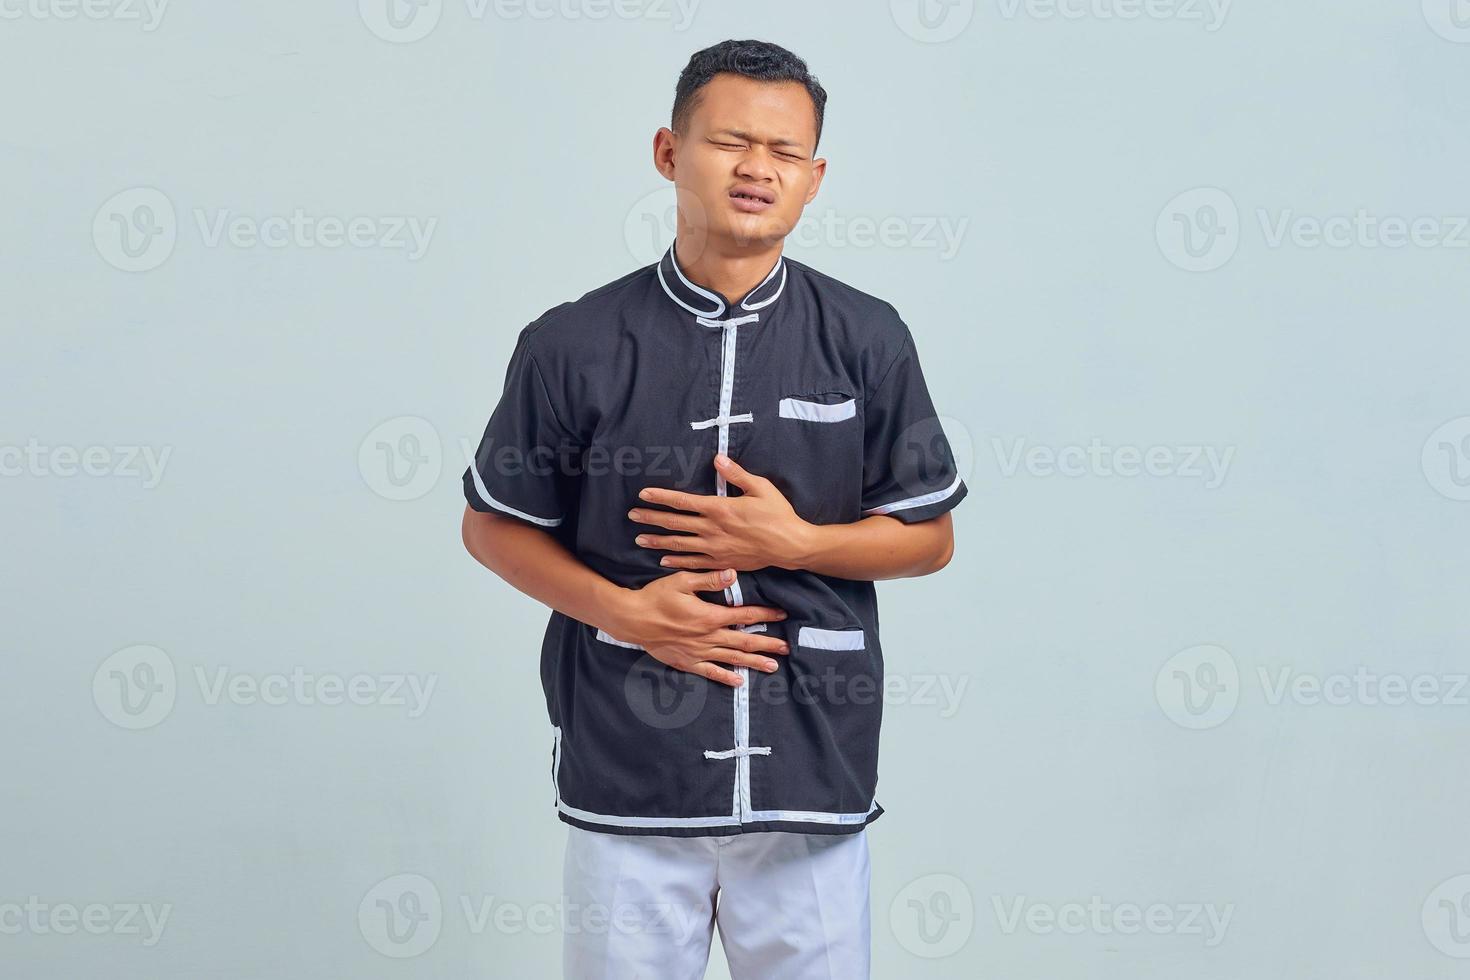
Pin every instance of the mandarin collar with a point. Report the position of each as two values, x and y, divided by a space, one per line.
707 303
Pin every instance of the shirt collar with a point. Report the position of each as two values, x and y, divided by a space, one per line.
707 303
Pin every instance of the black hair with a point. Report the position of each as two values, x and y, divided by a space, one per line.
760 60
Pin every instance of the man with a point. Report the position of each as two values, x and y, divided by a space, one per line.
702 468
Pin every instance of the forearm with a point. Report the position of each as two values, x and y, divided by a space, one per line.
874 548
535 563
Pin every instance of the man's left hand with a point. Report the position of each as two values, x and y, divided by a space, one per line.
755 530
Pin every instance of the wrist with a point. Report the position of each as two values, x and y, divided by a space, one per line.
613 603
801 546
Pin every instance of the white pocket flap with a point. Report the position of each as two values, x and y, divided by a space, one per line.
797 408
810 636
607 637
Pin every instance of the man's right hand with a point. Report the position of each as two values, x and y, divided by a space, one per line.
688 633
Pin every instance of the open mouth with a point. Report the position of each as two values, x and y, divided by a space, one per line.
752 198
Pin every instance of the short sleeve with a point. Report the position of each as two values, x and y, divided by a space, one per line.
909 468
527 458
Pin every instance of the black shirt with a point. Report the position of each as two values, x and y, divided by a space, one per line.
805 381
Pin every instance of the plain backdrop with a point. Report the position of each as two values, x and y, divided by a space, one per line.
1189 286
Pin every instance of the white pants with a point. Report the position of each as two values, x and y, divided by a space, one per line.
789 906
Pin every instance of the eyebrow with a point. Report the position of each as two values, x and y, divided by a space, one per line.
740 134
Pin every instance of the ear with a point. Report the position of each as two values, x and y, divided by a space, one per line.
665 142
819 170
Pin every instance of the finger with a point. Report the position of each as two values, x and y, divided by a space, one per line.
739 475
717 674
752 642
704 581
688 561
676 498
668 519
670 542
745 615
740 658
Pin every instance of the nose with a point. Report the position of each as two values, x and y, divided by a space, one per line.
755 165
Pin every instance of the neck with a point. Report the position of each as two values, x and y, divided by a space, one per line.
730 272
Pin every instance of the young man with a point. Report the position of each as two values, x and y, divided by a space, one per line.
702 468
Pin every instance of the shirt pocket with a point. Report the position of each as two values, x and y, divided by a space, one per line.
816 449
828 406
816 638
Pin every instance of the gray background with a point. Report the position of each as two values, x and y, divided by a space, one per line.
1131 191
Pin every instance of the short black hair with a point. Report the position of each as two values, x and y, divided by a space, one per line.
760 60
